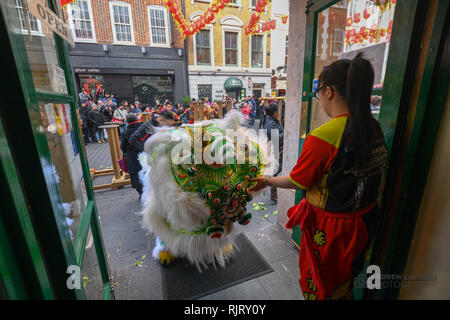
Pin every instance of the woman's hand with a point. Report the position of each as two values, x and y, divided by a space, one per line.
261 183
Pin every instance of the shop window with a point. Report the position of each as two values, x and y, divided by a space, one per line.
257 51
204 90
203 47
159 26
122 22
91 83
148 89
27 21
231 48
81 19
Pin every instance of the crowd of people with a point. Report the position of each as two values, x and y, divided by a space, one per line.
102 108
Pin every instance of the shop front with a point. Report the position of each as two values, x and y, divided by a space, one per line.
127 72
234 88
146 88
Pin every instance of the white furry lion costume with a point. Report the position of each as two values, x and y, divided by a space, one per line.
193 195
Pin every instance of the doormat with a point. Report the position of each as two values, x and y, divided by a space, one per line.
182 281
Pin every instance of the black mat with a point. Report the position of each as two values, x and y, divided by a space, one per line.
182 281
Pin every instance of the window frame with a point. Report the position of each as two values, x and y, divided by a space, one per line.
333 41
91 19
236 30
40 31
111 14
264 51
166 22
211 48
202 84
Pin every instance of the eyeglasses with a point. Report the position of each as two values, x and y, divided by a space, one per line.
316 92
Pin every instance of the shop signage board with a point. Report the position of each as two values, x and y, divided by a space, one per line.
38 9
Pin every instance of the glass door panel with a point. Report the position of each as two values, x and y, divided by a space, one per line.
91 279
344 30
66 166
40 47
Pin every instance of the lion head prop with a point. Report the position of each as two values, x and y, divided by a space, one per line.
196 180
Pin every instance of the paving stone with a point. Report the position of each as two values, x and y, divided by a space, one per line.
282 284
145 283
273 242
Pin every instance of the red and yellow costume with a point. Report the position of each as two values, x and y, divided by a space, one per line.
338 215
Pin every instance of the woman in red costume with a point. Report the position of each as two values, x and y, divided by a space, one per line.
342 170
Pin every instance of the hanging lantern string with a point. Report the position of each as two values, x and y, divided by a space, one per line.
253 27
189 29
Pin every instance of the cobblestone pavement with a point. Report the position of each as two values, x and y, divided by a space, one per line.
126 243
99 156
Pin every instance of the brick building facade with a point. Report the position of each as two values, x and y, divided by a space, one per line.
130 47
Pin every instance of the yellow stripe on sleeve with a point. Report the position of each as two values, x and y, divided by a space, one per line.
297 184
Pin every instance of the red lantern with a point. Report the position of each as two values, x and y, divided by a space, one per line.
173 8
263 27
284 19
273 24
220 4
260 4
169 3
214 8
226 1
349 22
366 13
357 17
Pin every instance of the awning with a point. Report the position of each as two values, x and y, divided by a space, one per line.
232 83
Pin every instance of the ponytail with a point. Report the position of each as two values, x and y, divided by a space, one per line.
360 77
356 88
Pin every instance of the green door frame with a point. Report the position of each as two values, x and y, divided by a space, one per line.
401 66
416 142
28 145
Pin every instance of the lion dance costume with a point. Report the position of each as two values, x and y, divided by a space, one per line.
191 205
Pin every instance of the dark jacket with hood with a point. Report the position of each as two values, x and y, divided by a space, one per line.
138 138
132 155
95 119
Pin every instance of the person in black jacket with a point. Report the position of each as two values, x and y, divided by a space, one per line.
271 123
138 138
95 119
84 110
131 152
107 113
